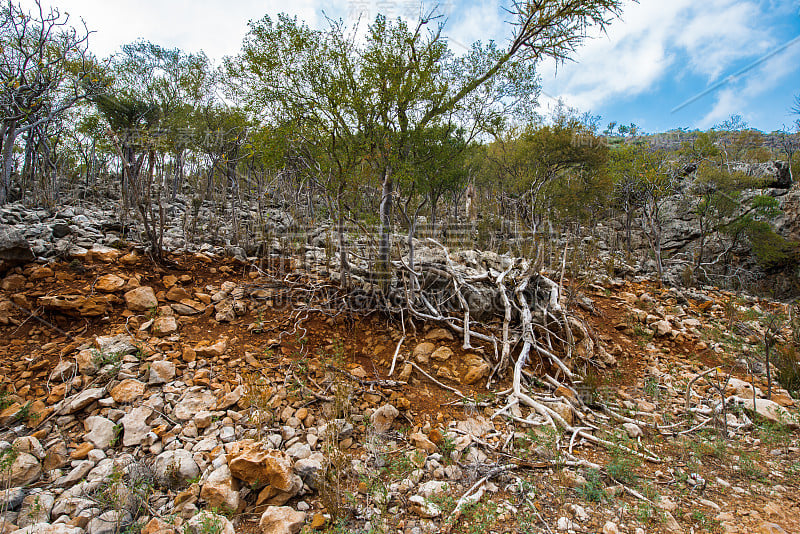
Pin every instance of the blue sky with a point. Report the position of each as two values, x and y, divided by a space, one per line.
659 55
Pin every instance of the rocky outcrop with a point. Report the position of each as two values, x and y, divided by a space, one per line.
14 248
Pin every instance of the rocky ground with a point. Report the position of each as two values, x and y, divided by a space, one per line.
197 397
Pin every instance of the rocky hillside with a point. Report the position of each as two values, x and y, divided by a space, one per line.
205 396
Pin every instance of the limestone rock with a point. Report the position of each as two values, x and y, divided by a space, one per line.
93 306
82 400
127 391
281 520
29 444
206 522
211 351
64 371
165 325
176 467
196 400
221 490
100 431
442 354
423 507
477 369
421 441
109 283
161 372
141 299
14 248
382 418
35 509
633 430
423 351
25 470
135 427
46 528
769 410
229 399
258 466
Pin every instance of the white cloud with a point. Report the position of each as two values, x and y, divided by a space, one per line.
647 45
214 26
734 97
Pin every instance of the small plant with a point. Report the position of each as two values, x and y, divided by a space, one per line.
593 490
25 413
5 401
622 466
77 266
787 369
651 388
117 434
210 524
447 448
749 467
706 523
101 359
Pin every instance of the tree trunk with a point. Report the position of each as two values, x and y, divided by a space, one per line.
177 178
383 271
9 136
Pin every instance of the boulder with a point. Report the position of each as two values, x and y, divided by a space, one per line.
127 391
769 410
211 351
141 299
221 490
158 526
165 325
477 368
135 427
442 354
423 507
29 444
24 470
93 306
258 466
197 399
64 371
382 418
100 431
45 528
421 441
161 372
14 248
176 467
229 399
109 283
281 520
423 351
109 522
35 509
82 400
208 522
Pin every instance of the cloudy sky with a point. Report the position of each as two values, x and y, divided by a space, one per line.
665 64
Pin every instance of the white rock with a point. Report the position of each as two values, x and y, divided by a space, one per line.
281 520
423 507
383 417
176 466
100 431
161 372
221 490
135 426
633 430
197 399
205 522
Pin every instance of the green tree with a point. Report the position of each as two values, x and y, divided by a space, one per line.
46 69
381 94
